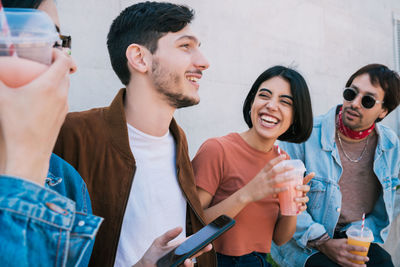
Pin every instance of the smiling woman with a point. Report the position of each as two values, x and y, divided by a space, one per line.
236 174
301 127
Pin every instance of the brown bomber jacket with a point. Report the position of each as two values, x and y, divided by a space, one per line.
96 143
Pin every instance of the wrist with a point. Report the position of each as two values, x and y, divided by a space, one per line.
33 168
140 263
242 197
319 243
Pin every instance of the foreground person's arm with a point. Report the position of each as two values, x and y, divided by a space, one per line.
30 119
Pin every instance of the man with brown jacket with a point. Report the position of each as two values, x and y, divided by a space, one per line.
132 155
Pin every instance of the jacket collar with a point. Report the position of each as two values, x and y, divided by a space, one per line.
117 127
328 131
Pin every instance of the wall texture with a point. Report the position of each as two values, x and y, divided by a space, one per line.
326 40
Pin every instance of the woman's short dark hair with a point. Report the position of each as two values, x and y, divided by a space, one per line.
302 125
22 3
388 79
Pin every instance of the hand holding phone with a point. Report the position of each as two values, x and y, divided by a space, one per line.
196 242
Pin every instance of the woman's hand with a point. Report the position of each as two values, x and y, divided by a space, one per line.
304 188
266 182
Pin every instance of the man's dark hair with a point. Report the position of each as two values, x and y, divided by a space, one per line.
22 3
302 124
382 76
144 24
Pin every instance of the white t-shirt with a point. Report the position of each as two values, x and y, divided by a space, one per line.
156 203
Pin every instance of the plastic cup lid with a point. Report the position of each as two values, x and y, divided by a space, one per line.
297 164
355 231
29 26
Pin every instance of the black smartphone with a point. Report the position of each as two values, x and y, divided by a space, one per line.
196 242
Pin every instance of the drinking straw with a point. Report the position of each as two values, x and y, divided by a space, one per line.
362 223
5 32
278 149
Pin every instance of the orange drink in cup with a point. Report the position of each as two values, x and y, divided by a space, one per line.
288 206
358 237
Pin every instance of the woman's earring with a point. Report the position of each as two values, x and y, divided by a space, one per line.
250 112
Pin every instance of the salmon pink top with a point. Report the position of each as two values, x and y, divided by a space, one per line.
222 166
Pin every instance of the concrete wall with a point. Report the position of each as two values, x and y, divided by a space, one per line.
326 40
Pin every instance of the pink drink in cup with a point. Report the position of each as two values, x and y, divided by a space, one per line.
33 35
288 206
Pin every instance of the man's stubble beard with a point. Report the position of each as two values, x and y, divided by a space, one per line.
346 122
165 82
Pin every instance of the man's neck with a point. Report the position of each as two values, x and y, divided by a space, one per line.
146 110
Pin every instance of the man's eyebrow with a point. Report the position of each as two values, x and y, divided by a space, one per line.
190 37
366 93
57 28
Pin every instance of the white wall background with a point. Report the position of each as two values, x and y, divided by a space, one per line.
325 40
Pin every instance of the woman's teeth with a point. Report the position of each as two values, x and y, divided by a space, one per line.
269 119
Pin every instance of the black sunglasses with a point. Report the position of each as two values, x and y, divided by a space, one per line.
367 101
66 40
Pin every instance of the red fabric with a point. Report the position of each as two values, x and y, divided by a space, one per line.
349 132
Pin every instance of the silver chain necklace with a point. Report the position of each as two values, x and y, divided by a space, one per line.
347 156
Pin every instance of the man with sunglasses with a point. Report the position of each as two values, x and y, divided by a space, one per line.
356 161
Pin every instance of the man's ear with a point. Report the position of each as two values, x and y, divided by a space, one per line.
383 113
137 57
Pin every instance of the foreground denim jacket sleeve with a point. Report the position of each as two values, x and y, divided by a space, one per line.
65 180
40 227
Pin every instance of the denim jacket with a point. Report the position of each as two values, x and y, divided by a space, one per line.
320 155
46 226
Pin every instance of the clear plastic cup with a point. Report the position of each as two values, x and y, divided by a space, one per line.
288 206
33 35
360 238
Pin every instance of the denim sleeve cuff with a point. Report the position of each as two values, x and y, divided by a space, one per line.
315 231
315 243
21 196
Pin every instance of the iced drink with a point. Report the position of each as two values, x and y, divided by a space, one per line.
360 238
287 203
32 34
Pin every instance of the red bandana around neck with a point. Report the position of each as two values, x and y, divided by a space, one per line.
346 131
